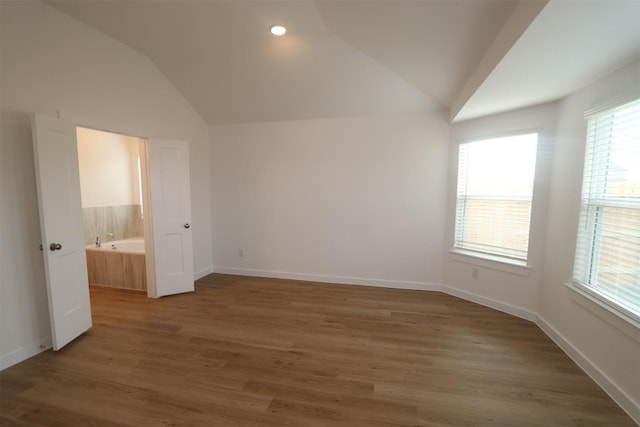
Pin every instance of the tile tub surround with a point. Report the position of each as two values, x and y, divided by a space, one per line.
123 221
124 270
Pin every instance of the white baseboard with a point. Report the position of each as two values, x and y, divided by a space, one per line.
342 280
491 303
611 388
394 284
25 352
200 274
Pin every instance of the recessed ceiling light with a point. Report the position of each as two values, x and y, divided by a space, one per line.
278 30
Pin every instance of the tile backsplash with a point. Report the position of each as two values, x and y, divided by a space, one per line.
123 222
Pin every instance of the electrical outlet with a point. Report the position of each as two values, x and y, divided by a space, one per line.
241 253
475 273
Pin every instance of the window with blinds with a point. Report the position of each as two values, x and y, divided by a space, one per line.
607 260
495 188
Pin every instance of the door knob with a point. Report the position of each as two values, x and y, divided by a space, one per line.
55 246
187 225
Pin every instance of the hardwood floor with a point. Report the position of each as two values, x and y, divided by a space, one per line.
246 351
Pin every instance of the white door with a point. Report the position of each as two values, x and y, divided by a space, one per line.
58 182
171 216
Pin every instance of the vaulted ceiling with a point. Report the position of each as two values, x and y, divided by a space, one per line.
350 57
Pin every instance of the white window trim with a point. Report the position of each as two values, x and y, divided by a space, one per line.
605 310
613 102
600 305
494 262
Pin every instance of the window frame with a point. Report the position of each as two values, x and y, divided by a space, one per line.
516 266
594 235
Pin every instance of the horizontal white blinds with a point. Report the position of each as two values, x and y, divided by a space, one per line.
495 187
608 250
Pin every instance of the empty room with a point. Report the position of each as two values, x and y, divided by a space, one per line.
320 212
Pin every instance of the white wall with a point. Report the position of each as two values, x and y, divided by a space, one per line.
108 168
52 63
610 354
513 292
349 200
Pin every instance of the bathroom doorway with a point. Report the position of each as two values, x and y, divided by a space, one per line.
165 194
113 209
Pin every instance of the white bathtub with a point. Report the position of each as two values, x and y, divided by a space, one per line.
131 246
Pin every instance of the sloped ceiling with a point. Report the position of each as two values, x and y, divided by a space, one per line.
338 58
567 46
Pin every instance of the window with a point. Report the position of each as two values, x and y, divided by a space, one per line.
607 260
495 187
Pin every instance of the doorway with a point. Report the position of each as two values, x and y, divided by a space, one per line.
168 246
112 188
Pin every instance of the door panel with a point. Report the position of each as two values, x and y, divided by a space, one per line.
171 211
58 183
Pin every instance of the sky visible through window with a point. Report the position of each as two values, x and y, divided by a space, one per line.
502 166
625 161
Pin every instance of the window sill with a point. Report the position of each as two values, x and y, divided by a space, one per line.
621 321
521 268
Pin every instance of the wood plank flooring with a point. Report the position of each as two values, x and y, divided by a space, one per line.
246 351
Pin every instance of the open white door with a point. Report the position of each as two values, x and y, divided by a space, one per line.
58 182
171 216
